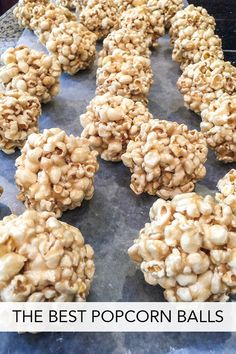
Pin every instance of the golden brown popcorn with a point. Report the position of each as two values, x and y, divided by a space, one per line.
194 16
124 5
24 11
188 249
19 114
31 71
70 4
194 45
165 159
111 122
125 75
205 81
169 9
125 40
219 127
100 17
45 19
144 20
73 45
43 259
55 171
227 188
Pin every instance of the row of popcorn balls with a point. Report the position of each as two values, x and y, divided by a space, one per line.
208 83
189 246
43 259
71 43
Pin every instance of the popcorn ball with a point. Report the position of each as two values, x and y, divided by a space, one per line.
49 18
24 11
19 113
205 81
111 122
219 127
195 16
227 188
165 159
43 259
31 71
125 75
194 45
144 20
70 4
99 16
169 9
73 45
188 249
126 40
55 172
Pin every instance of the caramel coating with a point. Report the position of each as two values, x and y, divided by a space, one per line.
219 127
205 81
73 45
55 171
125 75
194 16
188 248
100 17
194 45
31 71
165 159
43 259
111 122
19 114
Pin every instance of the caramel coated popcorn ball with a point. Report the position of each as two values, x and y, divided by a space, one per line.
100 17
169 9
24 11
111 122
195 16
165 159
43 259
19 113
219 127
55 172
50 17
73 45
147 22
194 45
70 4
205 81
126 40
188 249
125 75
31 71
227 188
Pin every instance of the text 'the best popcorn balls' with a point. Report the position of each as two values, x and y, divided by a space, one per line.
73 45
55 171
188 249
111 122
43 259
31 71
19 114
165 159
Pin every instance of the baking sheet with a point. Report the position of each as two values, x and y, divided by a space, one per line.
112 219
